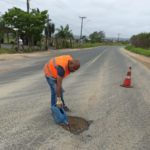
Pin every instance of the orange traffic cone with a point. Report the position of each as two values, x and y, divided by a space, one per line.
127 81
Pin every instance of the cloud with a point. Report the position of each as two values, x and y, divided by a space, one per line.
126 17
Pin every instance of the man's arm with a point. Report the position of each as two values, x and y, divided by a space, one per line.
61 73
58 92
60 76
59 86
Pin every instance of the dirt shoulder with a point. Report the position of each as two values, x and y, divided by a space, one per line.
18 56
143 59
22 55
10 62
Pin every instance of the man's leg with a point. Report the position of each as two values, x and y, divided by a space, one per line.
52 85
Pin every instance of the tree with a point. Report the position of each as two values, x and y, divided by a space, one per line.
65 34
30 25
97 36
49 30
1 30
141 40
36 24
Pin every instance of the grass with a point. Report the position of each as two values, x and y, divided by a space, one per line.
26 50
84 45
142 51
88 45
7 51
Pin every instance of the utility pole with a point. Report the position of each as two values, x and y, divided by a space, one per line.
28 9
48 32
0 34
28 6
118 37
81 26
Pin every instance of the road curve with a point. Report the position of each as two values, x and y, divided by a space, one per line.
121 117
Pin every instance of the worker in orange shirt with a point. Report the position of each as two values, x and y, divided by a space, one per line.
55 71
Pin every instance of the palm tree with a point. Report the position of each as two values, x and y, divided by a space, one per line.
65 34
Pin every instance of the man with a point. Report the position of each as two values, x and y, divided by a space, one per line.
55 71
21 43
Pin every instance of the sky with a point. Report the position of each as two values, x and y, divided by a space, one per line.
122 18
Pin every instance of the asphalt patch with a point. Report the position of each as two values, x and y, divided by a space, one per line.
76 125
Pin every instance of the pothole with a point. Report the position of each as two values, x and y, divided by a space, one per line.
77 125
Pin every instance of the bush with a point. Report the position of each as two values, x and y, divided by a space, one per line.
5 51
141 40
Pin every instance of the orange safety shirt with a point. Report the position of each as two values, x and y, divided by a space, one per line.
50 69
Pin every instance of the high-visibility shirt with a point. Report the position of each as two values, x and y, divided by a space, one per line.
50 69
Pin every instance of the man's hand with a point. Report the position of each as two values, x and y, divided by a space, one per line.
59 102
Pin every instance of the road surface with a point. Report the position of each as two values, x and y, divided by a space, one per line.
121 117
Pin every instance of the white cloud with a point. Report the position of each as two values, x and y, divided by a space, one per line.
126 17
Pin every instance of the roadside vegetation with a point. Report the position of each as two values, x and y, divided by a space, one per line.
87 45
4 50
142 51
22 32
140 44
38 33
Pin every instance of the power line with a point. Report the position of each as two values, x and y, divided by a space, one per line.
12 2
87 31
8 4
36 4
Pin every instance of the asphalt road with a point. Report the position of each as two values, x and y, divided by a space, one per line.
121 117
